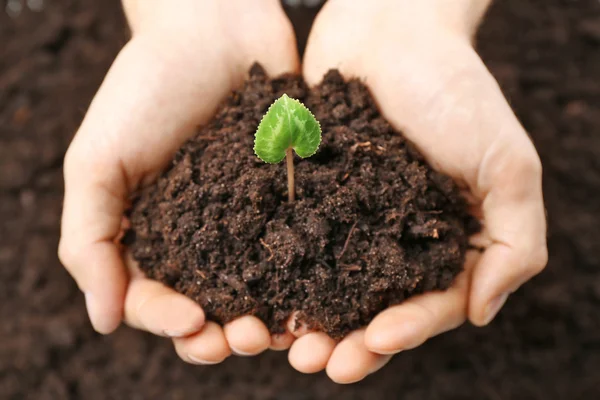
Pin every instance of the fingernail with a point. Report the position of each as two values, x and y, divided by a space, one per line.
385 352
240 353
100 318
200 361
90 307
173 334
493 307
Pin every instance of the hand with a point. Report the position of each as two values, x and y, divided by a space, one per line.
419 63
180 64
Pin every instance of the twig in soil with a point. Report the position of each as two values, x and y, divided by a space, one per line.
418 279
351 268
200 273
266 246
379 149
392 216
360 144
347 240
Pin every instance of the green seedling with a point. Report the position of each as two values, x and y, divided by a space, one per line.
288 125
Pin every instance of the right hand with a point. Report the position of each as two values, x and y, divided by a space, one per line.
419 63
169 78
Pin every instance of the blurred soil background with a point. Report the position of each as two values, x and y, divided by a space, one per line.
545 344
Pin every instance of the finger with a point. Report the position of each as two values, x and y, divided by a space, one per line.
206 347
310 353
247 336
351 361
93 207
153 307
281 341
513 207
412 322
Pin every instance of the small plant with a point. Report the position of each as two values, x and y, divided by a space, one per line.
288 125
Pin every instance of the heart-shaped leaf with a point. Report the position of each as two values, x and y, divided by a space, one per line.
287 124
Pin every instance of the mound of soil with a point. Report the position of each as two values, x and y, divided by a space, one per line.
373 223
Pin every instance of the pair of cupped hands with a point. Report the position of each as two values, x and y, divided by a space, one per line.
418 60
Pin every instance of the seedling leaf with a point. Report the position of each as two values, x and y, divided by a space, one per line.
287 124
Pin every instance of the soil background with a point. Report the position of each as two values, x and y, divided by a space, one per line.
545 344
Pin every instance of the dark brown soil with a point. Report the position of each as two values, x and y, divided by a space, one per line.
545 344
372 225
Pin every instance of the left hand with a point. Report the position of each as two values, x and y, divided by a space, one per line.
170 77
418 61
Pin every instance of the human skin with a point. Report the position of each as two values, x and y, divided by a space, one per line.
417 59
169 78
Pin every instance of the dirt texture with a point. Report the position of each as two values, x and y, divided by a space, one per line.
372 224
544 344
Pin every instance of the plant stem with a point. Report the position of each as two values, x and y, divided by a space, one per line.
289 156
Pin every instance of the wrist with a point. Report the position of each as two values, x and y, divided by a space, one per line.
461 17
157 14
234 33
